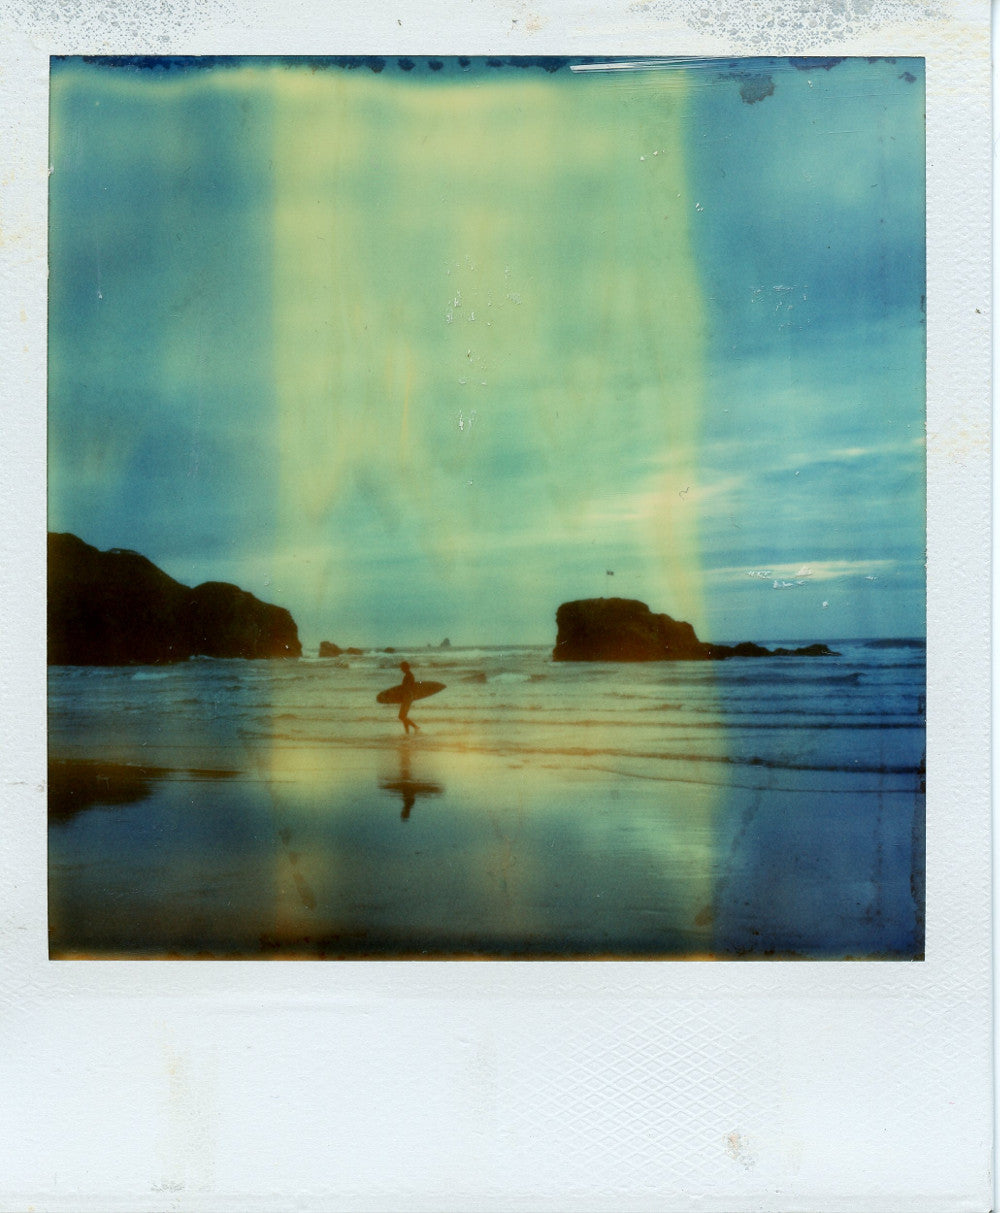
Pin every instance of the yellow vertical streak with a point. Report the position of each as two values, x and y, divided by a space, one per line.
404 425
407 216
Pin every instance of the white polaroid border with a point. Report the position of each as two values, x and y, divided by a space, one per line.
133 1086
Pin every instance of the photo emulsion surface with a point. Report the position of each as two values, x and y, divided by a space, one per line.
486 508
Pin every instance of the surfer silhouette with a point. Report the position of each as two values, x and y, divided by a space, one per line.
408 684
406 692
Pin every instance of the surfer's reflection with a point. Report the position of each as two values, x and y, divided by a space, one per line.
407 787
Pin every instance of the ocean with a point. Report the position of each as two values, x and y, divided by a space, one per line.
752 808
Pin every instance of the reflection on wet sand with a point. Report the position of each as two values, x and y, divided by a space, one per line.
75 786
408 788
298 856
79 784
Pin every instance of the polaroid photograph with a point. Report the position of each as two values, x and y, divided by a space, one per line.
500 524
470 375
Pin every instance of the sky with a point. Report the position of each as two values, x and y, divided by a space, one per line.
423 348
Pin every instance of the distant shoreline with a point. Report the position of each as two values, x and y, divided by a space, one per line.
430 653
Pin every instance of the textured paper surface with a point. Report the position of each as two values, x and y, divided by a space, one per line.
559 1086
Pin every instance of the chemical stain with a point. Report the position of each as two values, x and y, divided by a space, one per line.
738 1149
753 87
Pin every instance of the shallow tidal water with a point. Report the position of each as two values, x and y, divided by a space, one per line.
768 807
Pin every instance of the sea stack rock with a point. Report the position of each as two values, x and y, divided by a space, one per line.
328 649
118 608
622 629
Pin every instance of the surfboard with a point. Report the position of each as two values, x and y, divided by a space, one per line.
419 690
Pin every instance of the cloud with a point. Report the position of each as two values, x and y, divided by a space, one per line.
805 572
668 493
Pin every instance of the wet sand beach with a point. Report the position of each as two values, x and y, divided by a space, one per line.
243 810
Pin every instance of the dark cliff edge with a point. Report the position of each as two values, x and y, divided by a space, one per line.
118 608
623 629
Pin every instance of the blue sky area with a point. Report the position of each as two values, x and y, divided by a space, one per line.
425 351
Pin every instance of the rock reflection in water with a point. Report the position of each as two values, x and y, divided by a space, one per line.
75 786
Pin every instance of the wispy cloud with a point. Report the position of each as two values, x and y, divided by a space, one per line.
669 493
804 572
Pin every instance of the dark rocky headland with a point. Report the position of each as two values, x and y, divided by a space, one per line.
623 629
118 608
